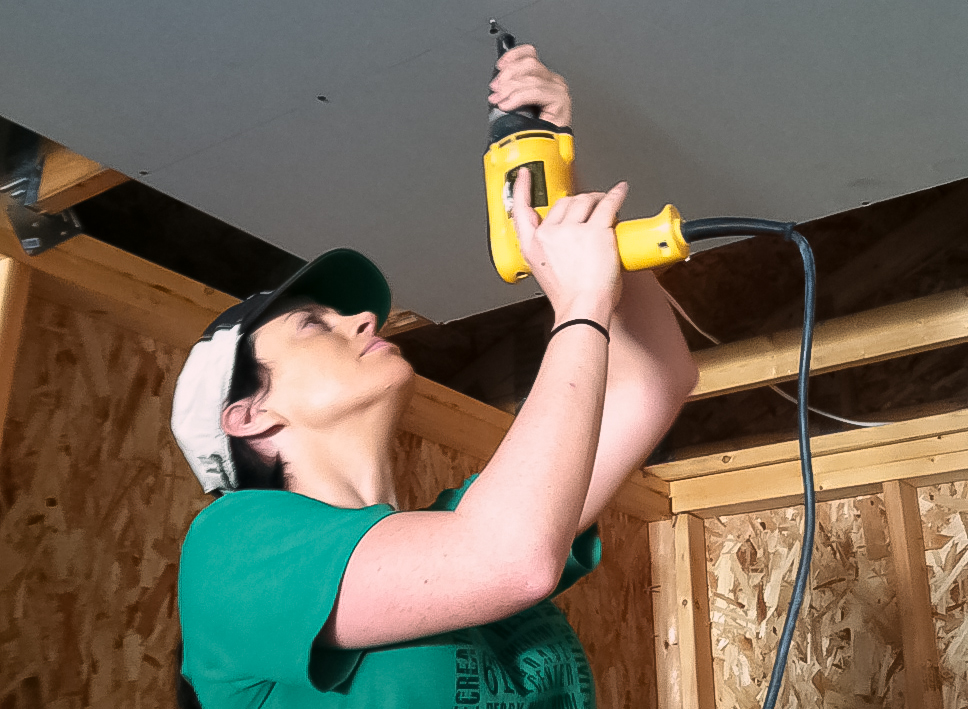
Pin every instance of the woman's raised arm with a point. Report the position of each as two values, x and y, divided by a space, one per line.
504 548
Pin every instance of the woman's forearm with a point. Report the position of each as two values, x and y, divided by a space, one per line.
530 495
650 374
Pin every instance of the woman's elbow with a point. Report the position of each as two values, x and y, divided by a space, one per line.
538 577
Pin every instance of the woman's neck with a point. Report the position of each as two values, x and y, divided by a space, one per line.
348 464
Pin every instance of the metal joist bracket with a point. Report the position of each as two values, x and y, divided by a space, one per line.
21 167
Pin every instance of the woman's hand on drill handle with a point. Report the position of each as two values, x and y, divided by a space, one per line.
572 253
523 80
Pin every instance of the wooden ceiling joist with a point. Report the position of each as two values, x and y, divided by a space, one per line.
69 178
133 292
890 331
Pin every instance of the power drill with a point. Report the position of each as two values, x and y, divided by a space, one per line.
521 139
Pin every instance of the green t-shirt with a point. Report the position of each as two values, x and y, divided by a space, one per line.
259 574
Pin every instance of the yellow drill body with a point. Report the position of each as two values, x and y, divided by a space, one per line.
548 155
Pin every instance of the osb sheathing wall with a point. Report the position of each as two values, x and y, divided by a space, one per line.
944 509
95 500
847 648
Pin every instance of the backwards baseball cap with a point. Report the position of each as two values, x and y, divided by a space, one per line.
342 279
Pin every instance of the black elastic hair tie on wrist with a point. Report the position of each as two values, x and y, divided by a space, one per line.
581 321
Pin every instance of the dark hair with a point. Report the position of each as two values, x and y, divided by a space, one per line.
248 378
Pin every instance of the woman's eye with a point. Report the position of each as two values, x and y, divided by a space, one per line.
314 319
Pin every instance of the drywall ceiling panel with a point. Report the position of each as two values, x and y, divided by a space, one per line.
784 110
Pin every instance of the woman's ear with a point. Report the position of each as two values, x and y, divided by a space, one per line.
244 418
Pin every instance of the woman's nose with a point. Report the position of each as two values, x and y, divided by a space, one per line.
363 323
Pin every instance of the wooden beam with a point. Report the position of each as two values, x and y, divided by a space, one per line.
692 610
69 178
133 292
14 286
665 608
922 672
924 461
645 497
875 335
402 321
864 438
456 420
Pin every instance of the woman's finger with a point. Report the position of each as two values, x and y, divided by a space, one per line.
526 96
526 220
525 73
606 211
557 212
581 206
515 54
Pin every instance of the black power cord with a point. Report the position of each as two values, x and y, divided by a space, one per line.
697 230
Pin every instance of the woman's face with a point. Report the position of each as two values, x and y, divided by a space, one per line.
324 366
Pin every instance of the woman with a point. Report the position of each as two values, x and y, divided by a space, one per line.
306 586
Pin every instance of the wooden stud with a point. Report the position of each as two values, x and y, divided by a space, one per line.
692 611
665 607
891 331
922 674
69 178
14 286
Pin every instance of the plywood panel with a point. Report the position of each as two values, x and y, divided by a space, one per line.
95 499
944 510
611 609
847 647
425 468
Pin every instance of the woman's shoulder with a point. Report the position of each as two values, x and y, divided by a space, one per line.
238 506
264 514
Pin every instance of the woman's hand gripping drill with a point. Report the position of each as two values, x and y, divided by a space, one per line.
572 253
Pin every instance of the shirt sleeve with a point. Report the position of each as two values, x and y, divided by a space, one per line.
260 571
586 550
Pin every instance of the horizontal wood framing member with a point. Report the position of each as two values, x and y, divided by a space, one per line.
927 451
102 279
890 331
758 456
68 178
